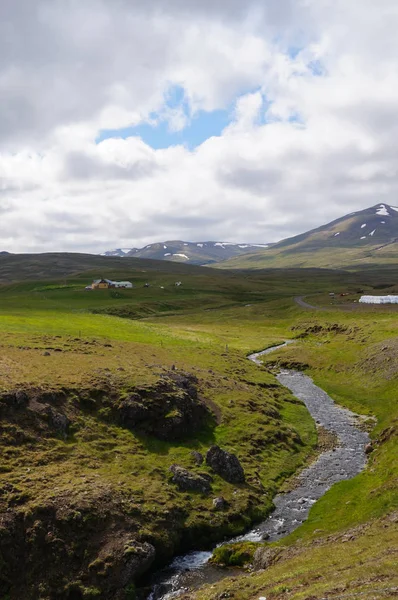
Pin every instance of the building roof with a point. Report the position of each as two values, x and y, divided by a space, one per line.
101 280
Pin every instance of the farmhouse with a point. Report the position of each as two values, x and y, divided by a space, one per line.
101 284
104 284
379 299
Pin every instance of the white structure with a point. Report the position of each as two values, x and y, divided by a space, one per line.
122 284
379 299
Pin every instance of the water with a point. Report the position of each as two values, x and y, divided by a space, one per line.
291 509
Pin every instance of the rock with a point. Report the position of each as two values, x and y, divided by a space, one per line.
188 481
137 560
225 464
123 560
198 457
369 448
21 399
264 557
219 503
46 353
58 421
169 410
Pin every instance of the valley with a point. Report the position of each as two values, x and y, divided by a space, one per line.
102 392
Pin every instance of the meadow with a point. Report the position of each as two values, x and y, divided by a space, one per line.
95 348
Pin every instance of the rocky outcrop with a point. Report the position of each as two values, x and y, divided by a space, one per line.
187 481
225 464
122 561
170 410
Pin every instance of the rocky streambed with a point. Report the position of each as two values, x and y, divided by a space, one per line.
291 509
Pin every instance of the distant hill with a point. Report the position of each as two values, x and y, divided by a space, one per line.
195 253
56 265
366 237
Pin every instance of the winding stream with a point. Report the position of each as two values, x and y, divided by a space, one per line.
292 508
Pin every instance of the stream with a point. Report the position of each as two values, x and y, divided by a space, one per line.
291 509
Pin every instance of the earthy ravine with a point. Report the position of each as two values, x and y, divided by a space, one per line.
291 508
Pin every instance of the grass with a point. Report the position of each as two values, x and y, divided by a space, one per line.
347 544
108 479
54 342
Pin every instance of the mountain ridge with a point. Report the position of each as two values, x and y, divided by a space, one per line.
368 236
195 253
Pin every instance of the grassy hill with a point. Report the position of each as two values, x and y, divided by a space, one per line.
367 237
18 267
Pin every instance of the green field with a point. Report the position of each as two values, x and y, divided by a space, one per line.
85 501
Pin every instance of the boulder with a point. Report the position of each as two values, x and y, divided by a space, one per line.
138 558
198 457
225 464
187 481
264 557
219 503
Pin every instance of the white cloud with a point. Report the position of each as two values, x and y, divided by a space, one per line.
313 135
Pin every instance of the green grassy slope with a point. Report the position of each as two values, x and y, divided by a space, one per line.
327 258
78 504
85 503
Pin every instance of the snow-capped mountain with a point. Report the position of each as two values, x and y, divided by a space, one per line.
195 253
366 236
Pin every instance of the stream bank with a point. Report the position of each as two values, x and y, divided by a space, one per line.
291 509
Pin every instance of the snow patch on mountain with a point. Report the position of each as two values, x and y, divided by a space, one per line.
382 211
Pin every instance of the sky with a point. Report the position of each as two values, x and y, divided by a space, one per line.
126 122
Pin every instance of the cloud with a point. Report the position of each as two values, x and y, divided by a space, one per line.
80 166
311 88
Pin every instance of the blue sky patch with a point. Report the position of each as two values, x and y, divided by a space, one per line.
202 126
317 68
158 134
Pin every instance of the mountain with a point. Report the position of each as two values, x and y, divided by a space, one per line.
368 236
195 253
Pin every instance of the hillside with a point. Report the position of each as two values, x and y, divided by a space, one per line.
366 237
196 253
17 267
